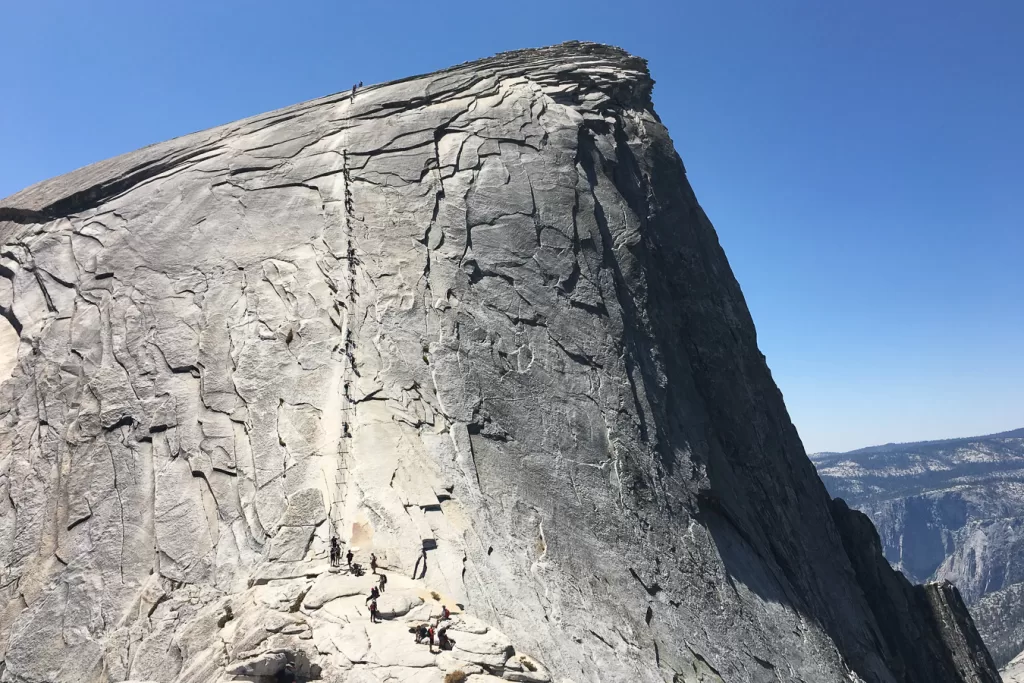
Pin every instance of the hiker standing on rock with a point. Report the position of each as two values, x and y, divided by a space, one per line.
373 563
383 582
349 557
335 552
374 594
430 638
374 614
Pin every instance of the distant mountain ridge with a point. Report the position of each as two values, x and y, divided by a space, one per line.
948 509
897 446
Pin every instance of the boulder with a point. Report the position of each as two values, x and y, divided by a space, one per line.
329 587
394 604
490 650
262 665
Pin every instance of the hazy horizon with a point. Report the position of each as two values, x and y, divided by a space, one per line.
914 441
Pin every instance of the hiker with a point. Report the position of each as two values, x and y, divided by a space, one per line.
443 641
445 614
421 633
373 563
383 582
335 552
349 557
430 638
374 614
374 594
360 84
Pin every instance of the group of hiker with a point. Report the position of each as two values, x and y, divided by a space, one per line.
382 583
336 553
427 632
349 556
423 632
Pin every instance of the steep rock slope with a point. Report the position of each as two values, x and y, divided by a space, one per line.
948 510
475 322
1014 671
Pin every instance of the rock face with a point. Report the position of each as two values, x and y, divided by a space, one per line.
1014 671
473 322
944 639
948 511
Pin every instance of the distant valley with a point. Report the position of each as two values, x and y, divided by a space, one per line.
950 509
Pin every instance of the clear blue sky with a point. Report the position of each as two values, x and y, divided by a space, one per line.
863 161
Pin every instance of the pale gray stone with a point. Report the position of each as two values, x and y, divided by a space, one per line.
393 604
329 587
1014 671
490 650
263 665
474 323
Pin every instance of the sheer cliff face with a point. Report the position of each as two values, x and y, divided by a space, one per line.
474 322
952 511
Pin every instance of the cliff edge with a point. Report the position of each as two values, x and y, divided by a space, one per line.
473 322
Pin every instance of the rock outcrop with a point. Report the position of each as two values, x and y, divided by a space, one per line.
949 510
1014 671
928 628
474 322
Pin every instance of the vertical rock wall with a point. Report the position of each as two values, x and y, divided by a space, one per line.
474 322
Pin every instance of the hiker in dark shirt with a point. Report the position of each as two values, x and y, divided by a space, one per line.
349 557
383 582
374 614
374 594
335 552
373 563
443 641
